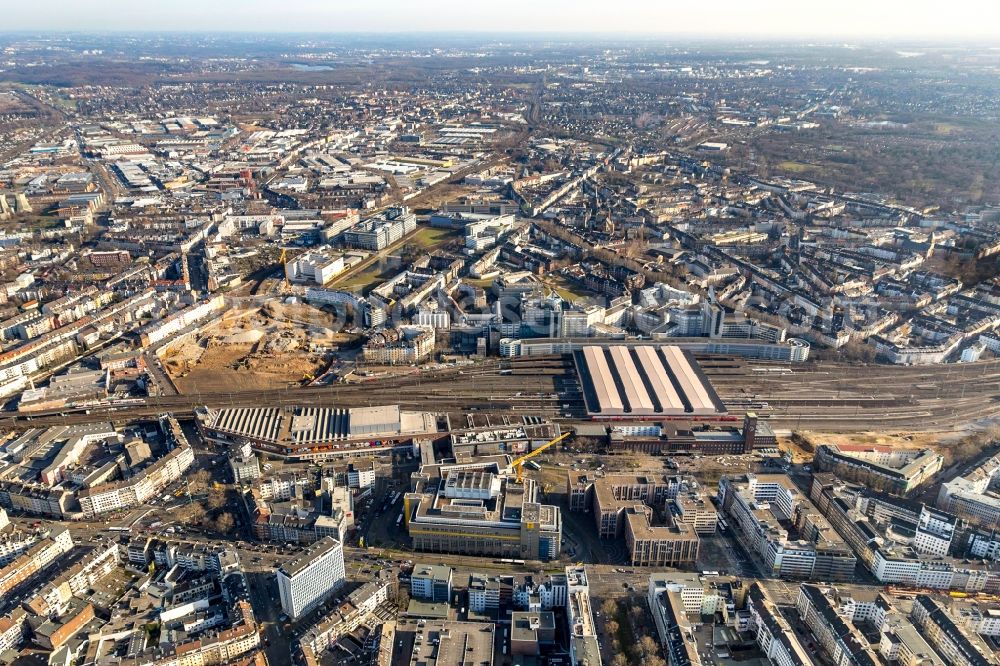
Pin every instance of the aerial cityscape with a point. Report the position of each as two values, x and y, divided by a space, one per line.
555 346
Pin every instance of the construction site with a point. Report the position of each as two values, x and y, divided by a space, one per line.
278 345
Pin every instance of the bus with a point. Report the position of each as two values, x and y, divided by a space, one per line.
533 465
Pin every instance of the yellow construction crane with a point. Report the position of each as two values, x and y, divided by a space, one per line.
518 465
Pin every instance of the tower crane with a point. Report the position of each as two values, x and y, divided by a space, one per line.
518 464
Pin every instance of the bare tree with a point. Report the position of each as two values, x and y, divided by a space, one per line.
216 499
193 513
224 523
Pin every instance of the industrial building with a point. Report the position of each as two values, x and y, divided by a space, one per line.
644 382
315 433
479 509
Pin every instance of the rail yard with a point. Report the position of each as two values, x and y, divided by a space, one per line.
836 397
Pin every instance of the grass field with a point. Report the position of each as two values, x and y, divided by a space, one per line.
566 289
430 238
794 167
426 238
367 279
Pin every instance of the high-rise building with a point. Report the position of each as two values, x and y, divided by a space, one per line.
309 579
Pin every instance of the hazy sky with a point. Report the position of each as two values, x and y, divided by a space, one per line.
724 18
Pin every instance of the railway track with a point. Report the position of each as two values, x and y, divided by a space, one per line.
829 396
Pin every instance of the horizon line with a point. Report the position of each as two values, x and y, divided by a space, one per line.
939 38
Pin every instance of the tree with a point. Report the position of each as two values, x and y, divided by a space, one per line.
192 513
649 647
216 498
612 627
199 480
619 660
609 607
224 523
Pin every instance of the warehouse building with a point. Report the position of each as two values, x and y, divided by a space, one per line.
644 382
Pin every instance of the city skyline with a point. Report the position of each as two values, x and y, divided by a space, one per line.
897 19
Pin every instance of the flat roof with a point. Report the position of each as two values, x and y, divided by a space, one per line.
297 565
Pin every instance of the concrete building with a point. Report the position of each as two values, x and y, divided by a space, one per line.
431 583
836 634
381 231
314 268
974 496
773 633
33 560
356 610
672 626
531 632
899 543
626 507
941 630
584 650
399 346
893 470
759 508
444 643
310 578
479 509
139 488
244 464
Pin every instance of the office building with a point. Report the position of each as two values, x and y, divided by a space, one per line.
479 509
311 577
974 496
773 633
890 469
431 583
773 520
583 646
